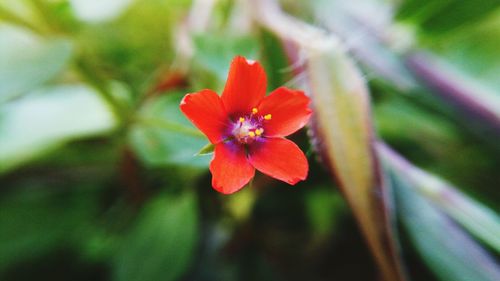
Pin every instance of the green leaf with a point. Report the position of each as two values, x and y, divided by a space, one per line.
440 16
446 248
479 61
162 243
324 209
207 149
26 61
478 219
163 136
48 118
37 219
215 52
98 11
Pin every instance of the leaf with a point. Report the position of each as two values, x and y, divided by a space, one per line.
26 61
440 16
207 149
344 133
324 209
94 11
38 219
342 129
163 136
443 245
161 245
479 61
479 106
48 118
215 52
472 215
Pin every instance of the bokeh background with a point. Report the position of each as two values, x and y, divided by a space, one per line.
98 178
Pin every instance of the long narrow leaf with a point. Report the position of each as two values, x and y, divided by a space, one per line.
475 217
343 129
446 248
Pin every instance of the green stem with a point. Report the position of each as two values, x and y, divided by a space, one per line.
170 126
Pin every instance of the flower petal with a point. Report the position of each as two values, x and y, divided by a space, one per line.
206 111
230 168
289 112
279 158
245 87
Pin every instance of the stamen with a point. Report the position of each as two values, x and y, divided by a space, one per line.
251 134
268 117
259 131
241 120
254 110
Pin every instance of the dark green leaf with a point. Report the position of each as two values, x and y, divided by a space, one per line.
162 243
38 219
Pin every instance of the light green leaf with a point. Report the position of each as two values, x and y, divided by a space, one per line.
27 61
446 248
215 52
48 118
162 243
472 215
97 10
163 136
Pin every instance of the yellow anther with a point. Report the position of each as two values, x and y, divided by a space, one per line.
259 131
254 110
242 120
251 134
268 116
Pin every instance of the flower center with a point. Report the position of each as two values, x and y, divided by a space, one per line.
248 128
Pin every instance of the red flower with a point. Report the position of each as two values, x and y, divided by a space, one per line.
248 128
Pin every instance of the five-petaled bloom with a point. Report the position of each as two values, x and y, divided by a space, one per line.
248 128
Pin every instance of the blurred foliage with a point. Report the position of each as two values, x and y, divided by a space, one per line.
98 174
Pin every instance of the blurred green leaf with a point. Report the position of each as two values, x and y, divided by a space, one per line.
428 132
97 10
164 136
479 61
276 63
324 208
46 119
215 52
161 245
446 248
472 215
38 219
27 61
440 16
